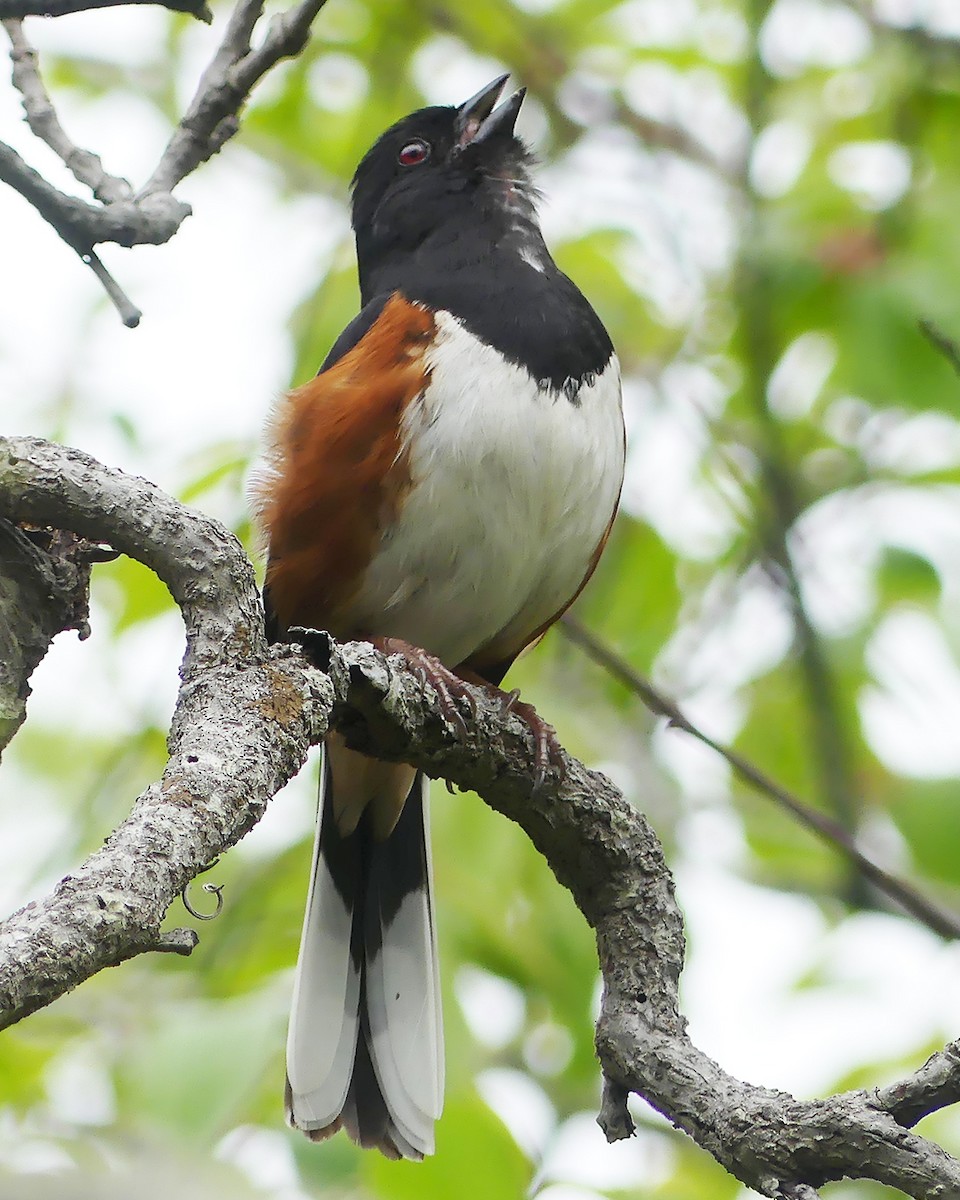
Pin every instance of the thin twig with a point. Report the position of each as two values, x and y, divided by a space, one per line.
212 117
44 122
129 313
944 923
153 215
777 517
15 9
85 166
940 341
74 220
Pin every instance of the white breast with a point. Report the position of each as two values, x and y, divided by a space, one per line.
512 489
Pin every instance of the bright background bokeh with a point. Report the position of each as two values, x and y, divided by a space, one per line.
760 199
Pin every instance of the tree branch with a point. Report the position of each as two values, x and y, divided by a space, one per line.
213 115
153 215
43 590
45 124
936 1085
82 225
940 341
16 9
245 716
777 515
829 744
244 721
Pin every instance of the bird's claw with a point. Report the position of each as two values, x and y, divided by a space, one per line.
452 691
548 753
450 688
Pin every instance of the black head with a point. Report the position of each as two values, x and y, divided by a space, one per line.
442 171
444 212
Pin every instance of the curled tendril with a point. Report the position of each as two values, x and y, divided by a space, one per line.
212 889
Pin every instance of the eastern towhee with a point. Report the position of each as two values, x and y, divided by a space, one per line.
449 479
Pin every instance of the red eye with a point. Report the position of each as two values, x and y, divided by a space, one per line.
414 153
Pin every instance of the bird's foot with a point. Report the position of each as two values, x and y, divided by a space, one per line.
548 753
450 688
453 691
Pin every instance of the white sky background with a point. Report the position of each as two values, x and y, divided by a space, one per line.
213 351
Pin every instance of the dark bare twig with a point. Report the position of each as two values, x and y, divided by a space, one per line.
944 923
777 515
780 502
940 341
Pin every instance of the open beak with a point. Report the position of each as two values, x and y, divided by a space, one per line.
477 118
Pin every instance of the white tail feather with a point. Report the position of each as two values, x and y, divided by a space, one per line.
324 1017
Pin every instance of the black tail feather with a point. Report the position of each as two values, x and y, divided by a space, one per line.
372 878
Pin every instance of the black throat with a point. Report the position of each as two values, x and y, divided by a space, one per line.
492 270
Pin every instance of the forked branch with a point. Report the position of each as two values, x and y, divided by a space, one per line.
150 215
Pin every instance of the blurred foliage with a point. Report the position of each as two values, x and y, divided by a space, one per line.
760 199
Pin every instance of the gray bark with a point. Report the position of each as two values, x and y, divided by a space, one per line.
43 591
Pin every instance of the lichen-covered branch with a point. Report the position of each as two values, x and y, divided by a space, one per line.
244 719
936 1085
240 733
202 564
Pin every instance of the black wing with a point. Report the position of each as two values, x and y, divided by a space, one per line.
355 330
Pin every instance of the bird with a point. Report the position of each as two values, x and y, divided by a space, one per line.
443 488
